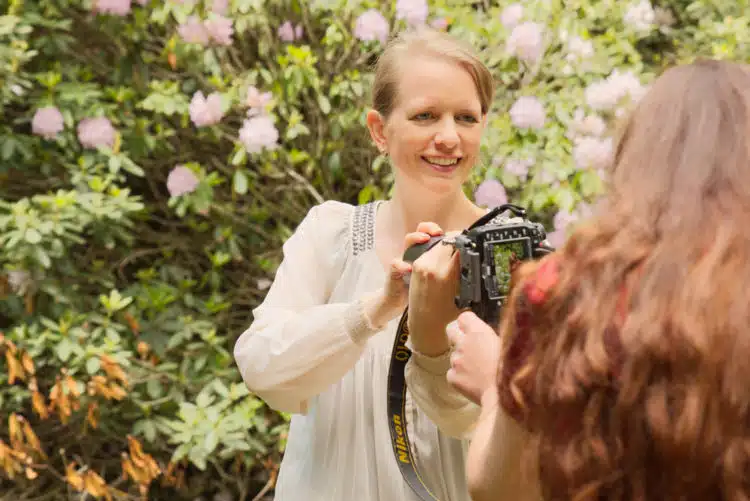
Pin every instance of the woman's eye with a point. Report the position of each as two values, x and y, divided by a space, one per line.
423 116
468 118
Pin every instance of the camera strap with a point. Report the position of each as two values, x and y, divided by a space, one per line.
401 354
397 413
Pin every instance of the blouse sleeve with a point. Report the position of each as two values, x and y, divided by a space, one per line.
453 414
299 344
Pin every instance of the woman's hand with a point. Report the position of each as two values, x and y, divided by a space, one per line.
393 298
432 288
475 357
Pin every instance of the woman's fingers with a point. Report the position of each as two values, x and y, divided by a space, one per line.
415 238
430 228
399 268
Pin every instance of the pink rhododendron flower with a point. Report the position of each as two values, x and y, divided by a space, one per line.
258 133
526 42
511 15
288 32
490 194
578 48
528 113
586 125
220 29
564 219
193 31
371 25
206 111
47 122
609 93
519 168
413 12
641 16
257 100
114 7
181 181
95 132
220 7
440 23
592 152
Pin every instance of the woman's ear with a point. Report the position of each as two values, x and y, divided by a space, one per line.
376 126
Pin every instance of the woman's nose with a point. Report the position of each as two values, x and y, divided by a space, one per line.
447 135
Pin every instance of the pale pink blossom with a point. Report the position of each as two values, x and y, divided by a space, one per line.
193 31
526 42
612 91
518 167
181 181
206 111
258 133
220 7
511 15
640 16
592 152
114 7
95 132
490 193
371 25
219 29
578 48
47 122
257 100
563 221
440 23
528 113
587 125
287 32
413 12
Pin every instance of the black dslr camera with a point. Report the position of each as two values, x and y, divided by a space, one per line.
489 250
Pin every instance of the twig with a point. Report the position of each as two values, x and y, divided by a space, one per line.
310 188
269 485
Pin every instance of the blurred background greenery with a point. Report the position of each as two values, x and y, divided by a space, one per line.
155 154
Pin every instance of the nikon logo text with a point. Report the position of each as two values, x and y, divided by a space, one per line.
402 352
403 455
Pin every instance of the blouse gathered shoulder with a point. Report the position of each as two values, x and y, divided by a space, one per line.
311 352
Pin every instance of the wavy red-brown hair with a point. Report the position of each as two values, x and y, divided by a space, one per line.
649 399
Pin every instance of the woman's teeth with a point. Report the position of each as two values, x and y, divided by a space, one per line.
444 162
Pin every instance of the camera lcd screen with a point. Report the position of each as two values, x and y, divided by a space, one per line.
507 255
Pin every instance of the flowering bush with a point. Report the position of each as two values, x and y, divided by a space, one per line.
156 153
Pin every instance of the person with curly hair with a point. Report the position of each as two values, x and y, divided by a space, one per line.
623 369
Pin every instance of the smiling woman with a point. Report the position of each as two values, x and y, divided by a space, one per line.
320 343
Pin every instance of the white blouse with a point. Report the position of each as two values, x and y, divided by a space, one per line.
310 352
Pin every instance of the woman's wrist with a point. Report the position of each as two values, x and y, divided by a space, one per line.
380 309
428 338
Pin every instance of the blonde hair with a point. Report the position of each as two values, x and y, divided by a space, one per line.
426 41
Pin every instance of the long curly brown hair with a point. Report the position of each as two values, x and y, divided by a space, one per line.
637 382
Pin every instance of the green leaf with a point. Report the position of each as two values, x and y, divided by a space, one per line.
211 441
64 349
325 105
33 236
154 388
92 365
239 182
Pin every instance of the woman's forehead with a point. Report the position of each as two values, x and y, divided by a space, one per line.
430 81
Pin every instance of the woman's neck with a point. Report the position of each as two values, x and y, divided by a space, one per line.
453 213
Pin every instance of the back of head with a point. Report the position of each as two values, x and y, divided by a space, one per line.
425 42
641 383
